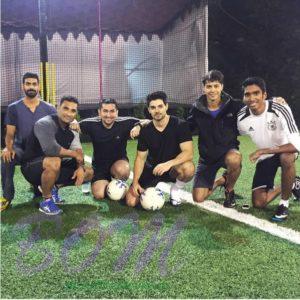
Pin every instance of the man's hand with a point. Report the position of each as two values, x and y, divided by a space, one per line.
79 175
253 157
162 168
135 131
8 155
79 158
137 189
280 100
75 126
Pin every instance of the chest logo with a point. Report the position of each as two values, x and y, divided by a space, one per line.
272 125
251 128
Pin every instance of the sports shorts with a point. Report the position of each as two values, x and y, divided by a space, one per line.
206 173
148 179
33 170
102 171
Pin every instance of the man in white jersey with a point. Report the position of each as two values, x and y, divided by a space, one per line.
272 128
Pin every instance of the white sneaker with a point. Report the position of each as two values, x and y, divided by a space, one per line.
175 195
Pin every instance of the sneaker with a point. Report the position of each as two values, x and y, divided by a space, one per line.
56 197
48 207
229 199
281 213
175 195
175 202
296 189
4 204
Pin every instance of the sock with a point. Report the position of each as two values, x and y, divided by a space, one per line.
176 188
48 199
179 184
284 202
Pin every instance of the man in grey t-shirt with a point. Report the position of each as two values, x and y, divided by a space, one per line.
53 155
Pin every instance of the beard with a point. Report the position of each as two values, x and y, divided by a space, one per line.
31 93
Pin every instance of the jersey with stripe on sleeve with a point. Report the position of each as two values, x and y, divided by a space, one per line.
109 143
274 127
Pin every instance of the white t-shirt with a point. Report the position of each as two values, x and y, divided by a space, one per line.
274 127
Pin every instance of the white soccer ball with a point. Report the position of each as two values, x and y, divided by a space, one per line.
116 189
152 199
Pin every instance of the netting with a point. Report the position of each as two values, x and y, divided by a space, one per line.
130 69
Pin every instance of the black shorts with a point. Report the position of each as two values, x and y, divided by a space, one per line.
102 172
206 174
148 179
33 170
265 172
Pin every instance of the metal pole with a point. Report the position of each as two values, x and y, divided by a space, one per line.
43 45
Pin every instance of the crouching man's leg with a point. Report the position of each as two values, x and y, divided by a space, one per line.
183 173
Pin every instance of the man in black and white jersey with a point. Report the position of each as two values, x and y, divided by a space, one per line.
272 128
109 134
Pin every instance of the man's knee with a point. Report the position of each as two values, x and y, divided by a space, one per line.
233 159
52 163
131 199
287 160
259 200
98 195
186 171
120 170
200 194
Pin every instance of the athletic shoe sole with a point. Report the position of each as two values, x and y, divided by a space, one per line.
50 213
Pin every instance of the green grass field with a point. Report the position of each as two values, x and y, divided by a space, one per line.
107 250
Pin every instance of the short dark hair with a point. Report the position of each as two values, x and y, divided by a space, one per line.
30 75
157 95
108 101
69 99
255 80
213 75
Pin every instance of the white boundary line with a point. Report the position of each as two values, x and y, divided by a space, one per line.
264 225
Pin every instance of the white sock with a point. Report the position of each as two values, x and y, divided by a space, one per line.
179 184
284 202
176 188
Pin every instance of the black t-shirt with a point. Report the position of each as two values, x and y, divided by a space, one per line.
109 144
163 146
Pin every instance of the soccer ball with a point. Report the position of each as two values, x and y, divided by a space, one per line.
152 199
116 189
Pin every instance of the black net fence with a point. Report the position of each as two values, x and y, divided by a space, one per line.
118 66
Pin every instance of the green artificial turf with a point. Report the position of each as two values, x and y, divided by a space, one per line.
76 255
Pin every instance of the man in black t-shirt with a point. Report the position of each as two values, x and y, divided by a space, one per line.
165 152
109 134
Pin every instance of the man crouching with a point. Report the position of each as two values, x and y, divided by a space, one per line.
53 155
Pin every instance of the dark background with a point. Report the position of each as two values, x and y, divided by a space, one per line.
257 38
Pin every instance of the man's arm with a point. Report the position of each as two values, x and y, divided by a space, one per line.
45 133
135 131
8 152
139 164
185 155
287 148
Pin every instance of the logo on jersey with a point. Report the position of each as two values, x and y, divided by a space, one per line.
251 128
229 115
271 125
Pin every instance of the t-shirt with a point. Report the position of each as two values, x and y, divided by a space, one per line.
109 143
165 145
48 137
20 116
274 127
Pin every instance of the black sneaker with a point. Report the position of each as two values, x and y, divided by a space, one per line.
281 213
296 189
229 199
